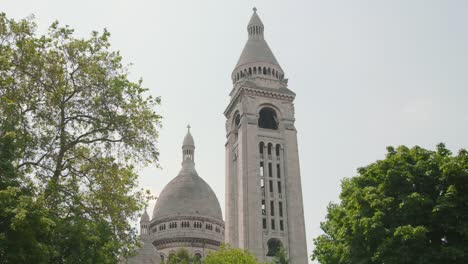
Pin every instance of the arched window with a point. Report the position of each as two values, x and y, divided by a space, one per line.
259 70
268 119
261 146
264 71
270 146
278 147
237 120
250 71
197 257
255 70
274 245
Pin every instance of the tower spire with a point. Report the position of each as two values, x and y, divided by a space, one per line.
257 59
255 26
188 147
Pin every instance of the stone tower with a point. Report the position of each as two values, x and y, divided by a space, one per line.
264 209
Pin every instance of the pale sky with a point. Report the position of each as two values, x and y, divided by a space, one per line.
367 74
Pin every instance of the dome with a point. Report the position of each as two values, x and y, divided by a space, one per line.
186 195
188 140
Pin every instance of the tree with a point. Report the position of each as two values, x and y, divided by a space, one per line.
281 257
80 128
182 256
411 207
228 255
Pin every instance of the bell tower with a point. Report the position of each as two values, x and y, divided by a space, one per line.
264 209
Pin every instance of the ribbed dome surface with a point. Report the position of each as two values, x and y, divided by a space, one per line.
187 194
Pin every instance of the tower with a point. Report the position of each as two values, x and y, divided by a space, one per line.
264 209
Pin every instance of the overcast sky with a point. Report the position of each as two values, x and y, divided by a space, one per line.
367 74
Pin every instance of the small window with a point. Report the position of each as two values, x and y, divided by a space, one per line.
279 187
278 171
280 206
261 146
270 170
264 223
272 208
272 224
270 146
263 207
271 186
261 169
281 225
278 148
237 120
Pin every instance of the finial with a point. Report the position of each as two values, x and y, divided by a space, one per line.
254 9
188 128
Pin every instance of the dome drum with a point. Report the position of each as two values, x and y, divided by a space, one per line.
262 70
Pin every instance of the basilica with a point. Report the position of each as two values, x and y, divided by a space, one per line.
264 207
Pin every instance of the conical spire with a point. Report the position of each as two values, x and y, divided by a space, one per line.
144 217
188 147
255 26
256 58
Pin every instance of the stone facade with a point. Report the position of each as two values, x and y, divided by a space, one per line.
264 208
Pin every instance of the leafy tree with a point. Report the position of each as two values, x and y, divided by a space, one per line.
77 128
411 207
182 256
24 224
281 257
228 255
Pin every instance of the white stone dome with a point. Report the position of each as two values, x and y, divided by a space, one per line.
187 195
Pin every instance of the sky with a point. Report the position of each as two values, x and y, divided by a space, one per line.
367 74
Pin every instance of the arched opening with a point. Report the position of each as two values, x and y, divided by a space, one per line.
264 71
250 71
259 70
162 257
255 70
261 146
270 146
197 257
237 120
268 119
278 147
274 245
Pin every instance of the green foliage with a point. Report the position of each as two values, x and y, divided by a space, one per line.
227 255
281 257
182 256
411 207
73 127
